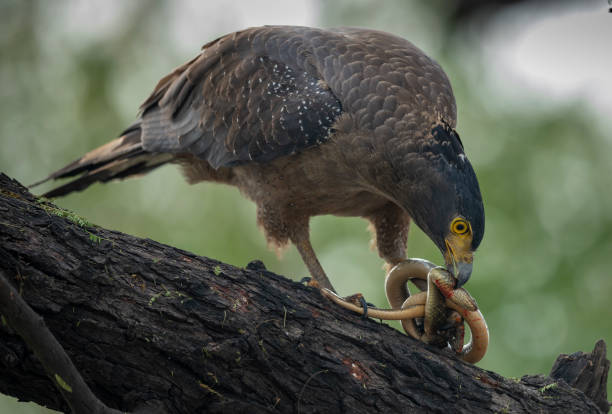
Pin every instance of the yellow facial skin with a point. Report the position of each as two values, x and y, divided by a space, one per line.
459 254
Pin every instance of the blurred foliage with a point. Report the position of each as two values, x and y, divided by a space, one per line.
542 274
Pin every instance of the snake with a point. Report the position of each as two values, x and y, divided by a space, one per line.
431 305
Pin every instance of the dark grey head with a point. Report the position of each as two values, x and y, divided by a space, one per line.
444 199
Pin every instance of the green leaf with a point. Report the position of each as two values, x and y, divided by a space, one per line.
63 383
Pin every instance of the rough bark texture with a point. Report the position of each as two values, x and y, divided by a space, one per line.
150 324
587 372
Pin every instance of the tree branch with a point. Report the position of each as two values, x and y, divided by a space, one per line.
146 323
49 352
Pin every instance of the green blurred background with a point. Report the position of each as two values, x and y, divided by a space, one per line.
534 94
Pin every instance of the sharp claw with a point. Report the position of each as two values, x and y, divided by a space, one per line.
309 282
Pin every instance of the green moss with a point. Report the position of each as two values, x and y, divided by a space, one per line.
60 381
205 352
74 218
213 376
11 194
209 389
175 294
263 348
548 387
154 298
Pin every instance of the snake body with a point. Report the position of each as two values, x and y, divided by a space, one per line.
431 305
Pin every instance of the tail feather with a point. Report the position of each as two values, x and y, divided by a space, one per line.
118 159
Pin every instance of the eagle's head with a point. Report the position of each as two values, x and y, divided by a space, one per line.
442 195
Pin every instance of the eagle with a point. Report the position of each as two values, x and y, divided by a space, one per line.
306 122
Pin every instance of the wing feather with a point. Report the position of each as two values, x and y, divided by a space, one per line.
259 94
253 95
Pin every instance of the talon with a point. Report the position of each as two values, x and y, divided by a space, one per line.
310 282
256 265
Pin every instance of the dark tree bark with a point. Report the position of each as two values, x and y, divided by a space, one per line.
150 325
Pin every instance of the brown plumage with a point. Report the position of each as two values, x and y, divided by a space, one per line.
304 122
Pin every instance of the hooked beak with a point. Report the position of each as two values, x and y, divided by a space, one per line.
460 265
464 271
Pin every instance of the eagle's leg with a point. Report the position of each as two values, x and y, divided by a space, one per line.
302 243
281 225
390 225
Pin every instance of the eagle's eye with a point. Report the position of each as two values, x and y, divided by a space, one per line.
460 226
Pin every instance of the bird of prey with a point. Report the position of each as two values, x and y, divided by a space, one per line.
305 122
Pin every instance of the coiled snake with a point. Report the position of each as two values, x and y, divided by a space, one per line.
443 308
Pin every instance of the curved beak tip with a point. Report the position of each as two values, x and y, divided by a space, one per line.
464 271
